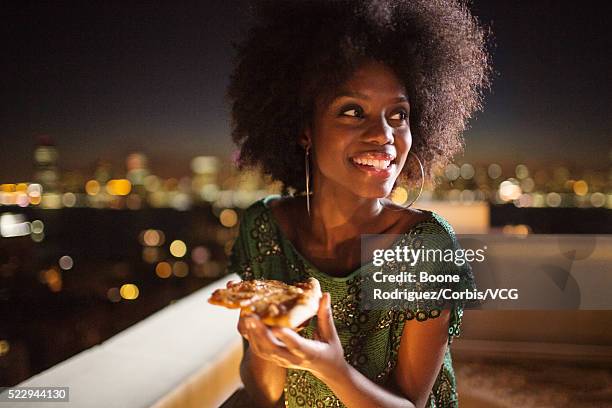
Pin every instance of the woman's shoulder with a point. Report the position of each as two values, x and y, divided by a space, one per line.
268 212
436 232
257 208
433 228
411 219
435 221
268 202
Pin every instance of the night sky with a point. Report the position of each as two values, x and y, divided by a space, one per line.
104 79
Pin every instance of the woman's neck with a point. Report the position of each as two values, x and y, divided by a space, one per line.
337 215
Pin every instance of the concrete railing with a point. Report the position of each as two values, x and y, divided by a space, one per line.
186 355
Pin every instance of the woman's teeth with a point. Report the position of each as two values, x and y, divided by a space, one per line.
378 164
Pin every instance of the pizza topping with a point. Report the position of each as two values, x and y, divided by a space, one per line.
269 299
246 293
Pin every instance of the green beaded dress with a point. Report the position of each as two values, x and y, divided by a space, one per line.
370 338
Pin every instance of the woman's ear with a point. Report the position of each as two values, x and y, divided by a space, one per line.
305 138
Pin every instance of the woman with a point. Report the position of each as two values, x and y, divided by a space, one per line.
337 100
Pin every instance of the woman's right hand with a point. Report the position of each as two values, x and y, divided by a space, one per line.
264 379
322 355
262 342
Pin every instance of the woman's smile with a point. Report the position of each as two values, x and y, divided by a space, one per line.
378 164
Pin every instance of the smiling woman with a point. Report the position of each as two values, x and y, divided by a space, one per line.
330 98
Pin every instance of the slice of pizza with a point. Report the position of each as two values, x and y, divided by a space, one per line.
275 303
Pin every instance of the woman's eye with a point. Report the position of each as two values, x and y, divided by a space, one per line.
353 111
401 115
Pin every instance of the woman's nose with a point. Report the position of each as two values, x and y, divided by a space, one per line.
379 132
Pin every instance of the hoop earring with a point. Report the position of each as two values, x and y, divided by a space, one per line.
422 180
307 167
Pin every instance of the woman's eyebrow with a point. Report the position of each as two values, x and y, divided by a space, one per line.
351 94
400 99
359 95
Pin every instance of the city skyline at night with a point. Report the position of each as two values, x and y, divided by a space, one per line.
216 180
106 80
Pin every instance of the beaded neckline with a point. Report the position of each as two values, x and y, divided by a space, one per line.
309 264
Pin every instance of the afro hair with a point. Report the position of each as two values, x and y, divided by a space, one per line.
299 52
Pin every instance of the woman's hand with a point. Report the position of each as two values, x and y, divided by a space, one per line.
322 356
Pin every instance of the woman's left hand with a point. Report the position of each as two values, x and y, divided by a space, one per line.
322 356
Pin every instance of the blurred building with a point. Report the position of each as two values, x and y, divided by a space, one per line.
46 172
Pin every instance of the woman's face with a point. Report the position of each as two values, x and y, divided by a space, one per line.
361 139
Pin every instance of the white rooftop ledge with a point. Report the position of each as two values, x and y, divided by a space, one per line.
186 355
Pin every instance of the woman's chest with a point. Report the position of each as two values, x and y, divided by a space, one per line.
339 262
